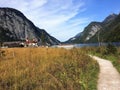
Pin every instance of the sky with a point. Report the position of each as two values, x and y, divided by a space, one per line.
64 19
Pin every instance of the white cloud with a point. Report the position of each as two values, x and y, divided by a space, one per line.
56 16
37 3
70 28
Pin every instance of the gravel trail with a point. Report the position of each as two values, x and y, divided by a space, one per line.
109 78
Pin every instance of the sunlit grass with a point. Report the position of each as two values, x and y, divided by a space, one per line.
47 69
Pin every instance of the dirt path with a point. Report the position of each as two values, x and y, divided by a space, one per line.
109 78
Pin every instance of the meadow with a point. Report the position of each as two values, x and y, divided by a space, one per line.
47 69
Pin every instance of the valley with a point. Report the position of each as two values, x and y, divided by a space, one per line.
31 58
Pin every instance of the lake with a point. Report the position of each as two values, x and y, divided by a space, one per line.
96 44
69 46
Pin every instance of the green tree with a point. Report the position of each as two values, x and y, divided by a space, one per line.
43 38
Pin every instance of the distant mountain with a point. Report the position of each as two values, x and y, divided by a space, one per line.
99 31
88 32
110 18
14 26
111 32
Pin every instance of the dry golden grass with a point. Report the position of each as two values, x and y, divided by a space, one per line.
47 69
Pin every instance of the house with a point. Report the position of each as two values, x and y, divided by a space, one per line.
26 43
12 44
31 43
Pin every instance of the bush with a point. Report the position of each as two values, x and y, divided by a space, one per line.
111 49
102 50
106 50
2 53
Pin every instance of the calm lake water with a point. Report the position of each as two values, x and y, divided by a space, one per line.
96 44
86 45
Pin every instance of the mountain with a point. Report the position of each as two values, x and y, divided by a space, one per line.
14 26
112 31
88 32
99 31
110 18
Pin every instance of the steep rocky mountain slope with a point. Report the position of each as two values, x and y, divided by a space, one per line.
14 26
99 31
88 32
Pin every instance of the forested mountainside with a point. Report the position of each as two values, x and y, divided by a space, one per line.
106 31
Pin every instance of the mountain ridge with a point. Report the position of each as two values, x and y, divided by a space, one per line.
21 27
96 31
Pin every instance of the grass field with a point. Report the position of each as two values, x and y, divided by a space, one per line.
47 69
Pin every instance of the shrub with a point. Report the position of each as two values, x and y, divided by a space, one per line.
2 53
111 49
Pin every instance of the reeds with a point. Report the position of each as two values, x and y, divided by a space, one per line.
47 69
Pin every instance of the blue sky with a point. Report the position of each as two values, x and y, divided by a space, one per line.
64 19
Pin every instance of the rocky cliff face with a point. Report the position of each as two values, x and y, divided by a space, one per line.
21 28
88 33
94 27
95 30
